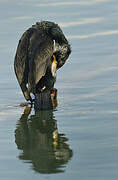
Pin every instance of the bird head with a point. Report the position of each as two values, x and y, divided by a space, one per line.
62 53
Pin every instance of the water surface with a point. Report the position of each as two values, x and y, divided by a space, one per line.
86 118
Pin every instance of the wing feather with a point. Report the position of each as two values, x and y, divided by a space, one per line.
40 52
21 57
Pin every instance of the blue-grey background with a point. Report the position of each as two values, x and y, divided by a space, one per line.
87 86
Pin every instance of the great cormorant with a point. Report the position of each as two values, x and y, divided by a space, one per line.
42 50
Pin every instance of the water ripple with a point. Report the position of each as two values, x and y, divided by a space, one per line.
87 75
99 92
84 21
73 3
105 33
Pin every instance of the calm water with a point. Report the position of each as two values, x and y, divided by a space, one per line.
86 118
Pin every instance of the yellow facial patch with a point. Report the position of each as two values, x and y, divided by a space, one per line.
54 66
54 61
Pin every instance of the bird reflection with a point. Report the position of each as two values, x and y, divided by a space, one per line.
41 144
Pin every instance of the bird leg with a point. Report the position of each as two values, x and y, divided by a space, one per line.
54 97
25 92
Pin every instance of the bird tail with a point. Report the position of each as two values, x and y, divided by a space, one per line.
43 101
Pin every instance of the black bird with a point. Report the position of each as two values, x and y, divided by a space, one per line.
42 50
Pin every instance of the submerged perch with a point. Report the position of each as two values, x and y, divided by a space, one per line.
41 51
40 106
45 100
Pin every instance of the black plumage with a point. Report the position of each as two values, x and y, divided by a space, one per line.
34 57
